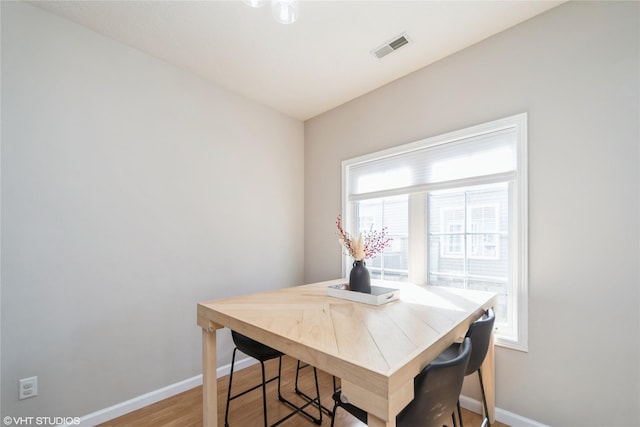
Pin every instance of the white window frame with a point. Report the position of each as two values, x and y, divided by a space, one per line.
517 337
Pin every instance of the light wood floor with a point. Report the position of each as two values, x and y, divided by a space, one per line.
185 409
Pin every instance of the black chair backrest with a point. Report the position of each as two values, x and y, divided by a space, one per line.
436 391
480 334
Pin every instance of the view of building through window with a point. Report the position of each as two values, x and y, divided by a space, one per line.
393 213
467 238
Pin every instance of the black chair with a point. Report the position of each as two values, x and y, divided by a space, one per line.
263 353
480 334
436 390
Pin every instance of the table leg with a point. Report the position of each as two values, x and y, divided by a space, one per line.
373 421
209 379
378 407
489 378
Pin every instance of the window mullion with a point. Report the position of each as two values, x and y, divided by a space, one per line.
382 221
417 238
465 258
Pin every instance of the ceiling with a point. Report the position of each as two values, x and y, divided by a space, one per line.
306 68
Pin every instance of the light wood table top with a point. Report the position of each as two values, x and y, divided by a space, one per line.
375 350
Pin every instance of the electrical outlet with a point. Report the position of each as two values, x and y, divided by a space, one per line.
28 388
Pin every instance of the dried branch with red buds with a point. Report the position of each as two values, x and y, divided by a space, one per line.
364 246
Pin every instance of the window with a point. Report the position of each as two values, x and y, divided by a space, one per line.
456 207
390 212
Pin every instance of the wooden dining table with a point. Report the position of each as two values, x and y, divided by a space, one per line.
376 350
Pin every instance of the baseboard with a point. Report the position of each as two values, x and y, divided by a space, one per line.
147 399
503 416
115 411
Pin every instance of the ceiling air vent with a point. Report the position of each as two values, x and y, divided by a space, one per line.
391 46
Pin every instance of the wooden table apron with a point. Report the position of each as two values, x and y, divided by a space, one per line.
376 351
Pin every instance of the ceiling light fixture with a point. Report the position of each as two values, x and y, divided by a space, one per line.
283 11
255 3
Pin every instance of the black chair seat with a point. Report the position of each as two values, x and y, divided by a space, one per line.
253 348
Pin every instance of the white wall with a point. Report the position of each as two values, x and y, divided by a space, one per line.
131 190
576 71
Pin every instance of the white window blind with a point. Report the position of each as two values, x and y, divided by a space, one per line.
484 155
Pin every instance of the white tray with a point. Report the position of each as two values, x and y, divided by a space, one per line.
378 295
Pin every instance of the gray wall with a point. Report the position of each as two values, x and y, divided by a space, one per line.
575 70
131 190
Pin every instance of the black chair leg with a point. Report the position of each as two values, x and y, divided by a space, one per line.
333 418
263 385
226 412
264 391
460 414
307 397
299 409
484 402
315 377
